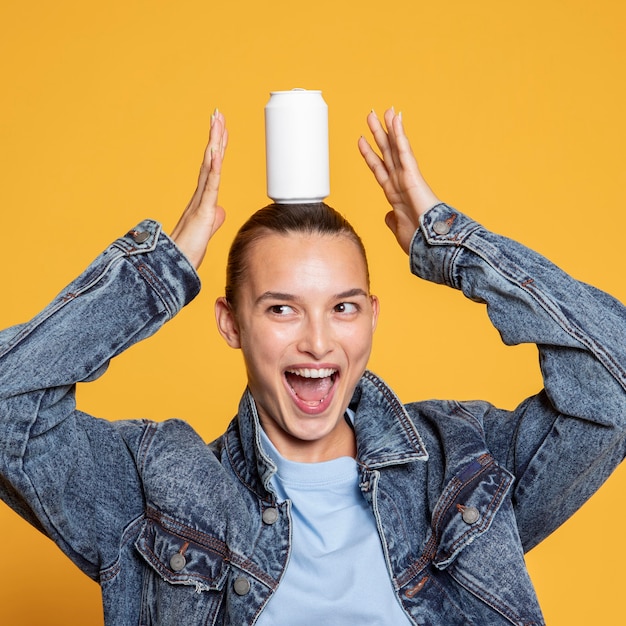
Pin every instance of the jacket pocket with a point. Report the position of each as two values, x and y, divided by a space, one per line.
186 574
178 559
467 507
478 545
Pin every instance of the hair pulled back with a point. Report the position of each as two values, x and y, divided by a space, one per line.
311 218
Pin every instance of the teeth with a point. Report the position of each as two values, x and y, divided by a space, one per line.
305 372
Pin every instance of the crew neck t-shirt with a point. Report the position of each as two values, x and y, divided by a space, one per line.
336 572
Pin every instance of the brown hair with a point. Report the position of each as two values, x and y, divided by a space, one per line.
314 218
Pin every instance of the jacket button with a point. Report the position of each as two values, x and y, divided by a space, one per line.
178 562
270 515
140 236
441 228
242 586
470 515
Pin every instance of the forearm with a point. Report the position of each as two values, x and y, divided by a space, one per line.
580 331
134 287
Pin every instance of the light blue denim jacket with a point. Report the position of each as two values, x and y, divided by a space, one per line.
178 532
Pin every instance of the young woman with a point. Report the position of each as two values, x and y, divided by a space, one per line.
327 501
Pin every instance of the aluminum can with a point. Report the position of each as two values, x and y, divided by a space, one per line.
296 146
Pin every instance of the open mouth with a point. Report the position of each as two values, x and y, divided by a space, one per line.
312 387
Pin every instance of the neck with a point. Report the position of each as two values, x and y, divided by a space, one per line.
340 443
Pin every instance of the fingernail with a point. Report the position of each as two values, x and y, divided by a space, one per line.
212 120
374 114
400 115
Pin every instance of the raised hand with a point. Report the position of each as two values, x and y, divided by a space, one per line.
396 171
203 216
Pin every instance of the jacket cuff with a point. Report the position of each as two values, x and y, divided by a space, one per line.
435 245
161 263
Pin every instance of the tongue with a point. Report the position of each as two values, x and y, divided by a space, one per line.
310 389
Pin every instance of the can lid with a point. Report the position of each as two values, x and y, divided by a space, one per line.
295 89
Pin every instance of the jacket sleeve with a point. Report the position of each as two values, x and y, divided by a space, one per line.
71 475
563 443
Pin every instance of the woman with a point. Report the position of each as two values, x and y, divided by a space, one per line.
327 500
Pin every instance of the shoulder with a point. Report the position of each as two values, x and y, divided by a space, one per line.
448 416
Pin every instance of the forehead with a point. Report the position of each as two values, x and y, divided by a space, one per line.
306 261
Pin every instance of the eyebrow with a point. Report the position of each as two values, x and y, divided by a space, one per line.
288 297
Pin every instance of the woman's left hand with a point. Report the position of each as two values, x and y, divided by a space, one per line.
399 176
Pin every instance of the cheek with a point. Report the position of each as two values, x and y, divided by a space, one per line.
263 346
359 342
268 339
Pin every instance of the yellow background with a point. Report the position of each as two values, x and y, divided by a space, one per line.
515 110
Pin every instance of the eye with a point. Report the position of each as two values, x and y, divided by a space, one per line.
280 309
346 307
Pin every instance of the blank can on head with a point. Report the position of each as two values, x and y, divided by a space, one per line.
296 146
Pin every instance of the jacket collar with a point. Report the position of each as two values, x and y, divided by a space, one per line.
385 435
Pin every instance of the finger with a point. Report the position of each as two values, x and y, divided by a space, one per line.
404 151
211 188
217 130
365 149
214 138
216 135
374 162
224 142
218 127
216 144
390 116
218 115
212 184
380 137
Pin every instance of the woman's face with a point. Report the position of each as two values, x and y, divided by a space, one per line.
304 322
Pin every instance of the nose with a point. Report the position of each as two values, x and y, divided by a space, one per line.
316 337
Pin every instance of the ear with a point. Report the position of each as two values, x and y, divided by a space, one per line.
375 311
226 323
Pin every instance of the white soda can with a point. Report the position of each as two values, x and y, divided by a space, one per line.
296 146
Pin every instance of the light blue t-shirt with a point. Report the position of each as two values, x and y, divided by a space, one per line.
336 574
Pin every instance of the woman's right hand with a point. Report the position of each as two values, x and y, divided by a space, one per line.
203 216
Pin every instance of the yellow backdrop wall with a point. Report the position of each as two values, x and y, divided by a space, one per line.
515 110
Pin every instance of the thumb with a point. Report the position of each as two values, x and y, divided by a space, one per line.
392 221
402 231
220 216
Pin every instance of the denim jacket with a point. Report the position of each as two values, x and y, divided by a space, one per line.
180 532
